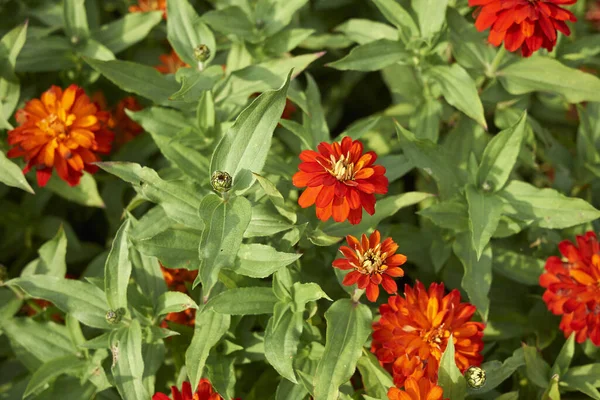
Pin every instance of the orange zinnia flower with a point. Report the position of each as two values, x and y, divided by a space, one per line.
170 63
63 130
204 391
373 262
150 5
419 326
573 287
340 180
525 24
177 280
422 389
125 128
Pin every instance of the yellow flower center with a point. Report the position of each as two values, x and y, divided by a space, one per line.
55 126
343 168
435 336
371 261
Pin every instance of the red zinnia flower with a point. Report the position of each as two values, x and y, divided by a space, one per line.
178 280
422 389
340 180
205 391
150 5
573 287
419 327
125 128
593 14
62 130
525 24
170 63
372 262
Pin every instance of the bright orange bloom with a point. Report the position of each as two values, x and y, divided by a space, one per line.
593 14
150 5
525 24
373 262
178 280
170 63
421 389
340 180
62 130
419 325
573 287
204 391
126 128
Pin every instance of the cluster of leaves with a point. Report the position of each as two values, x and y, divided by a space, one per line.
500 173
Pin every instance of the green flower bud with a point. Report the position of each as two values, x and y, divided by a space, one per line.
113 317
475 377
202 52
221 181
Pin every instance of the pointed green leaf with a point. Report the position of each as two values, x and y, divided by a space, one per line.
76 22
536 368
484 216
373 56
125 32
276 14
117 270
276 198
397 15
185 31
52 256
175 302
259 260
431 15
50 370
12 174
518 267
282 337
244 301
497 372
128 363
86 193
231 20
363 31
564 358
450 379
376 379
175 248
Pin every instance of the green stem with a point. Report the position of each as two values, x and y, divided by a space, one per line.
497 61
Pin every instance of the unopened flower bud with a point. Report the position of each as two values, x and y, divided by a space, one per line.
475 377
202 52
221 181
113 317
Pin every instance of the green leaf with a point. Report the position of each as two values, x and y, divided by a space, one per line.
231 20
544 74
282 337
245 146
128 364
52 256
84 301
86 193
314 119
450 378
50 370
398 16
147 274
225 223
210 327
564 358
484 216
500 156
426 122
94 49
276 14
185 31
222 374
518 267
276 198
363 31
552 392
259 260
303 293
10 90
12 43
244 301
373 56
477 277
286 40
125 32
459 90
117 270
52 53
497 372
175 248
170 302
76 23
546 207
194 83
431 15
376 379
348 327
584 379
360 128
449 214
536 368
469 47
191 162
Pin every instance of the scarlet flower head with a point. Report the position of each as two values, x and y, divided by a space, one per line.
340 180
573 287
421 389
150 5
372 263
62 130
176 280
170 63
525 24
419 326
125 128
204 391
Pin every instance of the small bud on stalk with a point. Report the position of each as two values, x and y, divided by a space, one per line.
221 181
201 53
113 317
475 377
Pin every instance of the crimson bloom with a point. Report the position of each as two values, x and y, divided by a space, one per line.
178 280
340 180
419 326
373 262
422 389
204 391
125 128
62 130
573 287
525 24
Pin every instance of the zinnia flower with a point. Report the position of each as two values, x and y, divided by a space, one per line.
62 130
422 389
150 5
593 14
419 326
125 128
178 280
525 24
373 262
340 180
170 63
573 287
204 391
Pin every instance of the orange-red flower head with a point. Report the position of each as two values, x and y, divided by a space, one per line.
593 14
150 5
525 24
573 287
125 128
62 130
421 389
170 63
178 280
340 180
372 263
204 391
419 325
